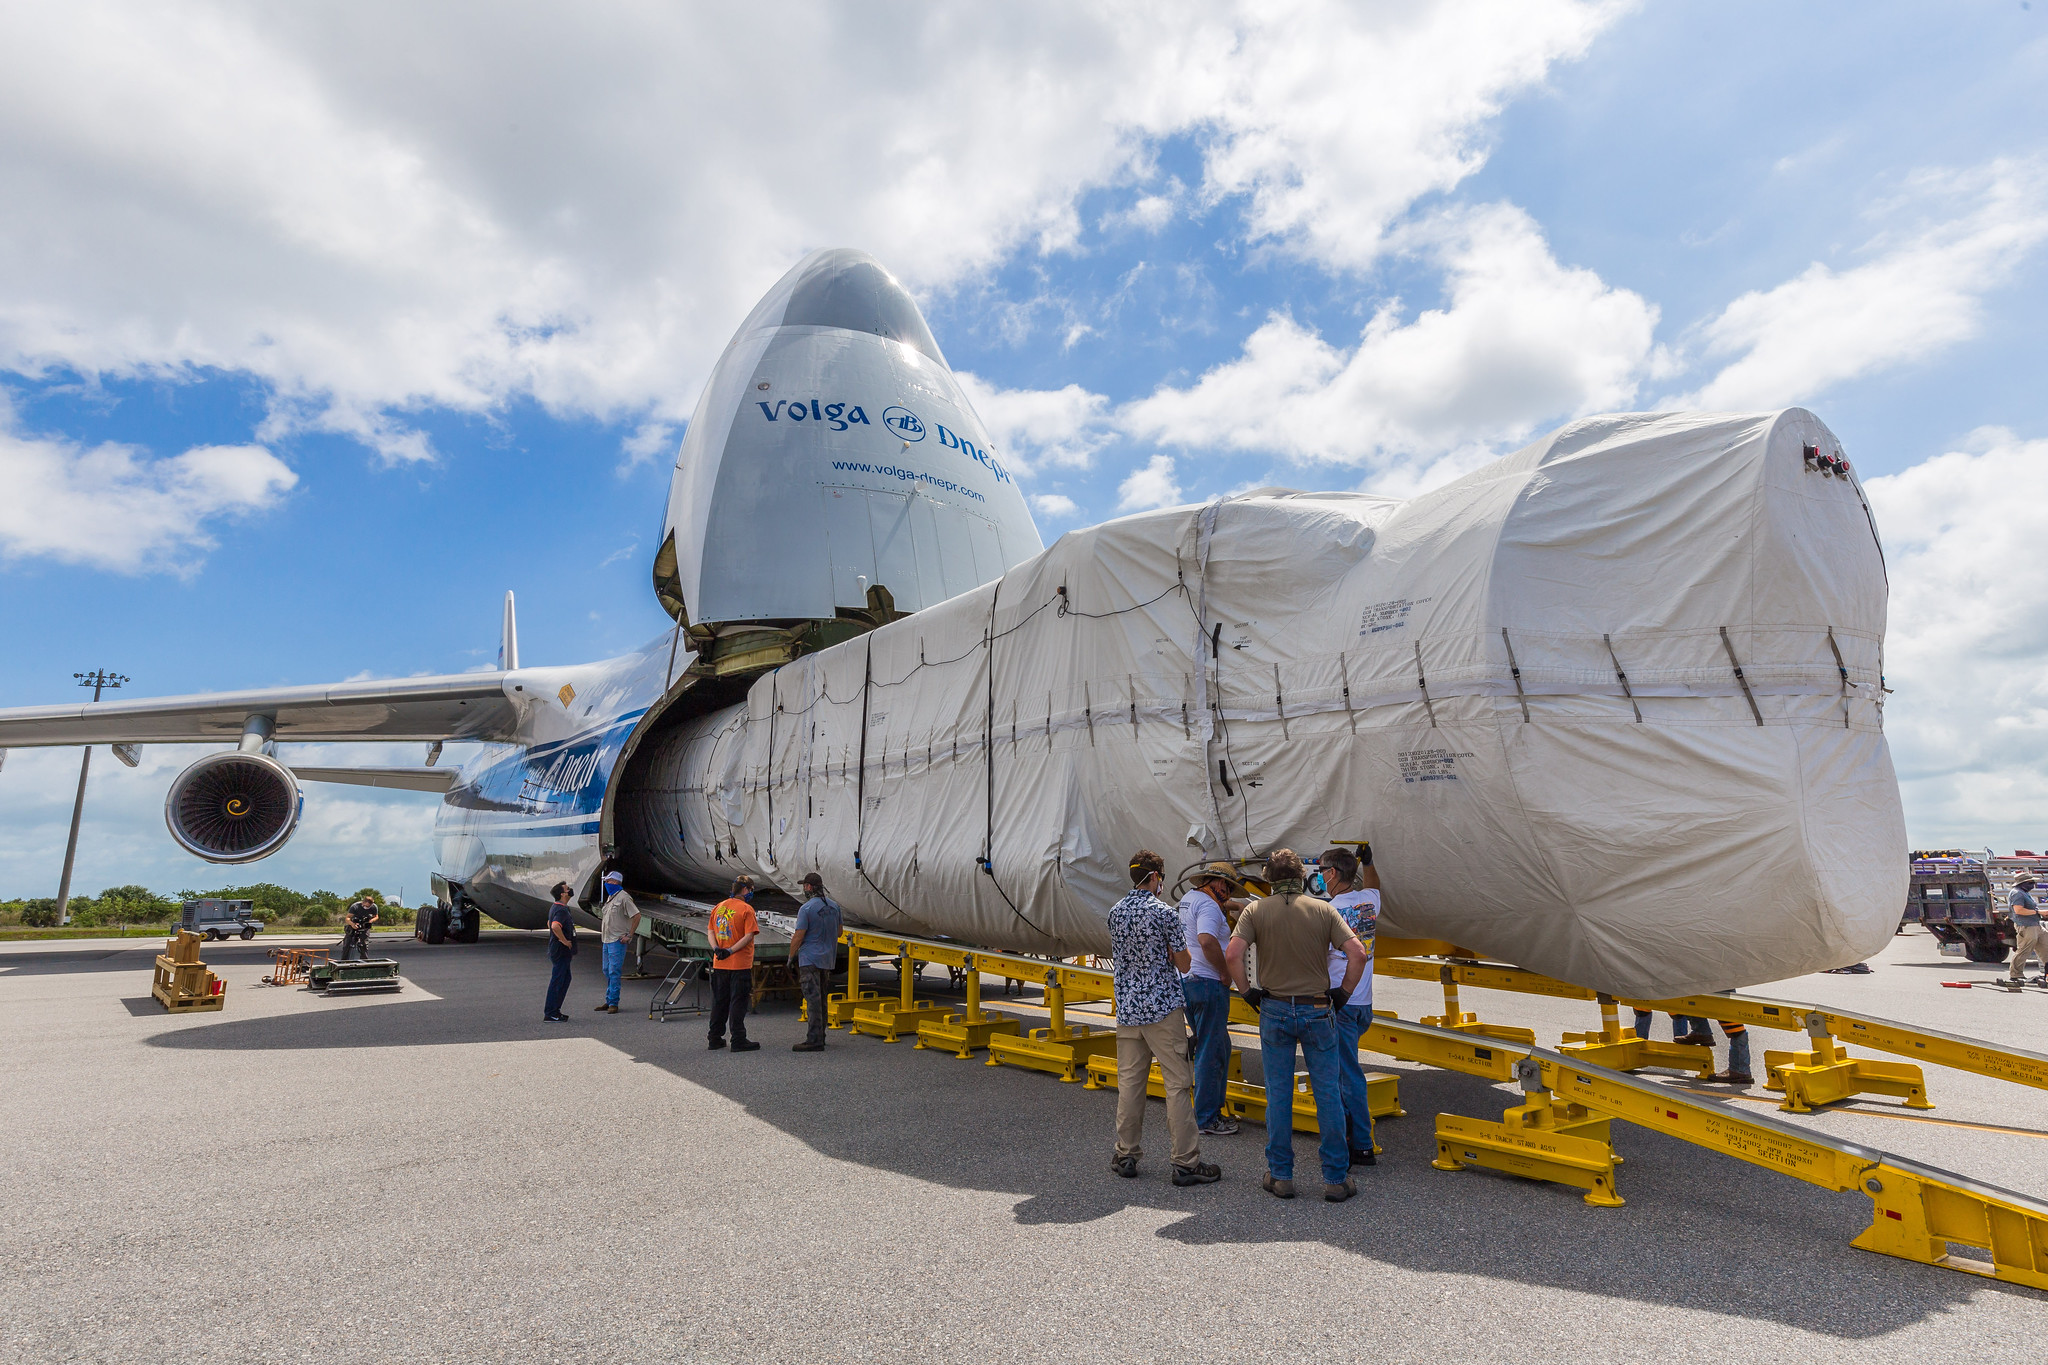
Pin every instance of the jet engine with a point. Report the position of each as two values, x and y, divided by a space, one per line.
233 807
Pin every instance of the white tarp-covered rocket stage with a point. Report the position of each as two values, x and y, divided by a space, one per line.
1609 708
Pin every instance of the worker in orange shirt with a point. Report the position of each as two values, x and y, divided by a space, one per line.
732 931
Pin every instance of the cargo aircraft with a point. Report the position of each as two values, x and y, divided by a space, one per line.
1610 707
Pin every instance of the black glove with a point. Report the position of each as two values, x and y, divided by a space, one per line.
1339 997
721 953
1254 996
1365 854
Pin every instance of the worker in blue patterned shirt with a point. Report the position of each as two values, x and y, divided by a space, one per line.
1148 952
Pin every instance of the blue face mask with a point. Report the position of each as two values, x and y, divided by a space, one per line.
1317 883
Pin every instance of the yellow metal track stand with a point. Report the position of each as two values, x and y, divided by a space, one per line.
1382 1100
1539 1139
1061 1048
1457 1021
839 1008
887 1019
1826 1073
963 1034
1618 1049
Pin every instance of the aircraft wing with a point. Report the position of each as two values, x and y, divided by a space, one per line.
404 779
457 706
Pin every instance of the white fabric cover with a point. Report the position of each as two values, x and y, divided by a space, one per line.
1078 709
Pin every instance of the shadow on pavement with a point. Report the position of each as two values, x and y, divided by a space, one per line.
1699 1230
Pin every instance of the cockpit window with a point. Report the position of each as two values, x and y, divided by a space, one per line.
860 296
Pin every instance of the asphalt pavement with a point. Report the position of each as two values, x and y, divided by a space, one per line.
439 1175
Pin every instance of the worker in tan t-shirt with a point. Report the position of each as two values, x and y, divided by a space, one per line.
1294 934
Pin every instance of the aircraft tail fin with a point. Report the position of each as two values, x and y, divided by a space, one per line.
508 642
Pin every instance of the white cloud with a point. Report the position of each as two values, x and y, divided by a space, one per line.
1152 486
1055 505
648 440
111 506
1521 341
576 209
1967 650
1921 292
1039 427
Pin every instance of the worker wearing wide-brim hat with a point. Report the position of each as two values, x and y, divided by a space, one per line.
2026 927
1214 890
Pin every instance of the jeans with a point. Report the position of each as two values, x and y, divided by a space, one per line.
558 984
1352 1022
1738 1047
1281 1027
1137 1047
1209 1016
813 981
731 992
614 968
355 943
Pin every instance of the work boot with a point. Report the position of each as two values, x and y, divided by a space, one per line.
611 1009
1730 1078
717 1043
1125 1166
1337 1194
745 1045
807 1047
1279 1189
602 1007
1360 1158
1201 1173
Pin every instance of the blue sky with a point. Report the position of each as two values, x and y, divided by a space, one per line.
310 350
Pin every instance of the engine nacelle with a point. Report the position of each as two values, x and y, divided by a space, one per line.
233 807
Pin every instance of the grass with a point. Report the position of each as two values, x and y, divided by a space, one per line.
13 933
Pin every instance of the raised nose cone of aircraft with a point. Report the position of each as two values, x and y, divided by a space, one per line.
832 453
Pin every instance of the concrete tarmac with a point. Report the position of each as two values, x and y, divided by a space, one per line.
439 1175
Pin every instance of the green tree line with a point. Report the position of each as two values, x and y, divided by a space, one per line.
279 905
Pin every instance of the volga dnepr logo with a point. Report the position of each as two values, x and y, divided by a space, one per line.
906 424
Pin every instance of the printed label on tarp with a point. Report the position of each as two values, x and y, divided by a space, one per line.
1430 765
1388 615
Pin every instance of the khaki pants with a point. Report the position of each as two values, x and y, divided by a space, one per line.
2030 941
1166 1042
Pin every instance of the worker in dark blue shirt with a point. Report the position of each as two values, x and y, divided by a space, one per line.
561 951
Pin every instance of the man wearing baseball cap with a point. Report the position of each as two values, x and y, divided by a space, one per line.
618 921
2026 927
1206 987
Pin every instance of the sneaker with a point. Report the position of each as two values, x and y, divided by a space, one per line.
717 1043
1279 1189
1220 1128
1730 1078
1337 1194
1201 1173
1695 1041
807 1047
554 1018
1359 1158
1125 1166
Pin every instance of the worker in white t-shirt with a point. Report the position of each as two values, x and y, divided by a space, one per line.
1353 887
1206 987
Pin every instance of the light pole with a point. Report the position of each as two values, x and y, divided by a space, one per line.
98 680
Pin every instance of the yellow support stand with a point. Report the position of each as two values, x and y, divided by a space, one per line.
963 1034
1062 1048
1825 1074
1102 1075
1457 1021
886 1020
1618 1049
1382 1100
839 1008
1539 1139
